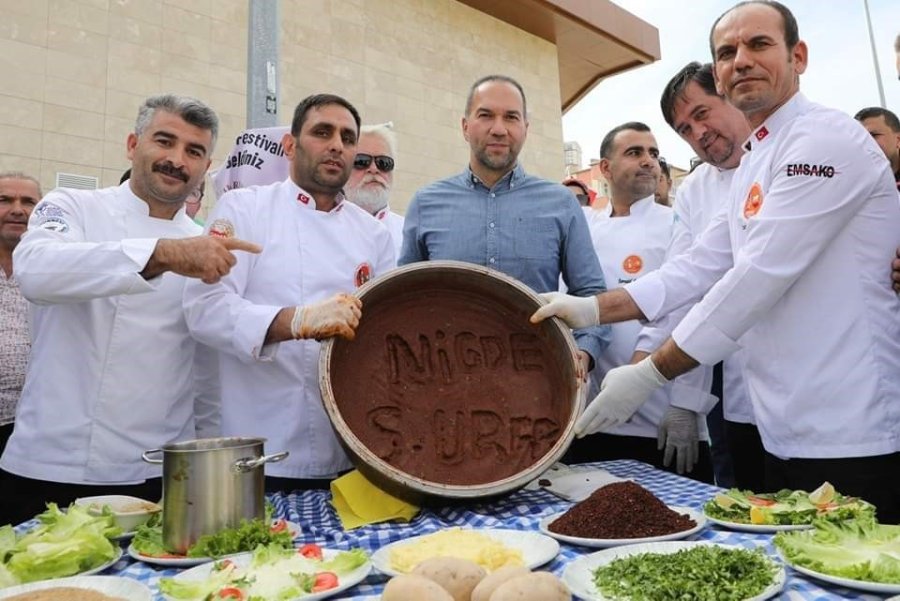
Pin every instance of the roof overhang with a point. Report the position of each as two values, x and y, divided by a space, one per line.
594 38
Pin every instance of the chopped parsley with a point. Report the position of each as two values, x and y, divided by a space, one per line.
698 573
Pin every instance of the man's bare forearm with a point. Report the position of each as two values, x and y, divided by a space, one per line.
617 305
671 361
280 328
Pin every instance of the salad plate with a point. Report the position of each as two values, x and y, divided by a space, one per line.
757 528
579 574
113 586
168 561
604 543
860 585
860 555
242 561
783 510
536 549
183 561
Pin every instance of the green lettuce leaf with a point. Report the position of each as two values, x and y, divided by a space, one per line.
857 549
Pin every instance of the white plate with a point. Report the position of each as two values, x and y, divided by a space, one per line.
537 549
242 559
169 562
758 528
860 585
579 574
114 586
187 562
603 543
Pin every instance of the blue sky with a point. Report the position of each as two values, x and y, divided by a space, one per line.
840 72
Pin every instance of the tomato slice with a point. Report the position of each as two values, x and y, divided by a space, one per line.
279 526
760 501
310 551
325 581
231 592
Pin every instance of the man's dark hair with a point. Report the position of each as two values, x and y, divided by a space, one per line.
188 109
664 168
702 75
877 111
607 144
503 78
788 23
315 101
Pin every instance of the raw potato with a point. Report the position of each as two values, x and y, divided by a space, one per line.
457 576
540 586
490 583
410 586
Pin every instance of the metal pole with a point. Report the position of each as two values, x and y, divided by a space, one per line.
262 63
874 55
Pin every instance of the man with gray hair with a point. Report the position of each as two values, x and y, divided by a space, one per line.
18 195
369 186
113 368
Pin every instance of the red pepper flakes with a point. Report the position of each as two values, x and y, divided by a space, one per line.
620 510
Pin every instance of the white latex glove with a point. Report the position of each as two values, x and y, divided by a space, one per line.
679 436
622 392
577 311
336 316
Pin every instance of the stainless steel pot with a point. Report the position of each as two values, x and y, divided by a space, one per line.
210 484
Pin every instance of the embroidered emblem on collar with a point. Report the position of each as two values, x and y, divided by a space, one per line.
754 201
363 274
221 228
304 198
632 264
761 133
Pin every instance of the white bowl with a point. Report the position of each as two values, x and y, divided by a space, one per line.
128 512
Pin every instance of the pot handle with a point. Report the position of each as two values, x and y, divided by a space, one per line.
145 457
251 463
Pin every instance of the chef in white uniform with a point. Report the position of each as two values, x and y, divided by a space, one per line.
797 271
630 238
113 369
715 130
267 315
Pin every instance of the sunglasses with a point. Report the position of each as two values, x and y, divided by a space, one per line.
384 163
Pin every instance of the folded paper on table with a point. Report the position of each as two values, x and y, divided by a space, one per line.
574 484
358 502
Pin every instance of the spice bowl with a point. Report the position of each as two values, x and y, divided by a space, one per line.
128 512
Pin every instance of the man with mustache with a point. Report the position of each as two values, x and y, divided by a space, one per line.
794 270
369 186
496 215
113 368
18 195
267 316
630 238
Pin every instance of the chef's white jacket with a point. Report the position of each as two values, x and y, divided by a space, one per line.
798 269
308 256
629 247
113 367
394 224
702 195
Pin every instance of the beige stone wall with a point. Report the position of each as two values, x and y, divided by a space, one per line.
75 71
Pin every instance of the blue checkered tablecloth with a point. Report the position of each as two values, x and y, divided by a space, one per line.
520 511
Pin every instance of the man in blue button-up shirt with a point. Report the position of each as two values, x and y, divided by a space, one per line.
494 214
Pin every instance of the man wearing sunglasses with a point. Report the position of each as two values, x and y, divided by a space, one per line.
369 186
496 215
